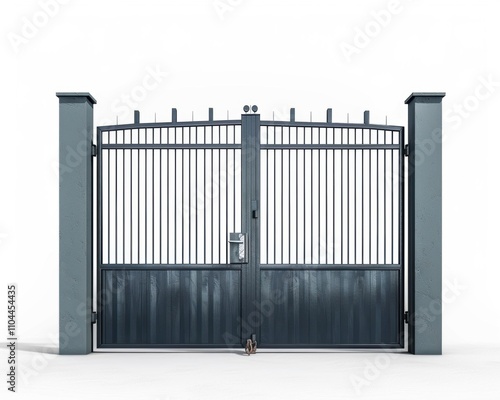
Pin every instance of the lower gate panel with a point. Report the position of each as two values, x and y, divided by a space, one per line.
168 308
330 308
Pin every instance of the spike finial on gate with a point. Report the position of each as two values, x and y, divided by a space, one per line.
329 115
174 114
246 108
366 117
292 114
255 108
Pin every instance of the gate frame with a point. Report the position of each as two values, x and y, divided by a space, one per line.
76 221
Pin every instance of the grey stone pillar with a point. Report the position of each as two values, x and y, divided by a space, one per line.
424 223
75 222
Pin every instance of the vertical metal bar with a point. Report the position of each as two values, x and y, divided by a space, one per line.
219 199
145 198
333 200
355 199
189 201
131 197
212 192
182 197
385 200
109 206
378 205
99 227
362 199
297 195
281 195
204 197
227 197
326 197
304 180
138 200
319 198
234 180
392 199
161 198
401 224
250 192
175 198
370 199
312 207
153 201
168 197
123 204
348 201
267 196
274 198
289 130
196 200
116 199
342 198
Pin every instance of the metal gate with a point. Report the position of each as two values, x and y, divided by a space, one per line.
212 232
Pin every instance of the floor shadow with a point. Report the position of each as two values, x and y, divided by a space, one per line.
35 347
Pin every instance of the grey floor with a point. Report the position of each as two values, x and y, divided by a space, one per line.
464 372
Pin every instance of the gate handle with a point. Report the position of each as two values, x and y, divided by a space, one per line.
237 254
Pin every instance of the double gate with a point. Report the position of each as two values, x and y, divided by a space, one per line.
210 233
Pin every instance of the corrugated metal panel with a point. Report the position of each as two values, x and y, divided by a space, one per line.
329 307
170 307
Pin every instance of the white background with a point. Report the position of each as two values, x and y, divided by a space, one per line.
276 54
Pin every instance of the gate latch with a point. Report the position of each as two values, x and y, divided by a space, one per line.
255 209
407 150
238 248
251 346
405 317
94 317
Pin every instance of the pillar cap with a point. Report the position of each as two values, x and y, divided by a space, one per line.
77 94
424 94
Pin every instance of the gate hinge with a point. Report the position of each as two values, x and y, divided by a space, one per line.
407 150
94 317
94 150
406 316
